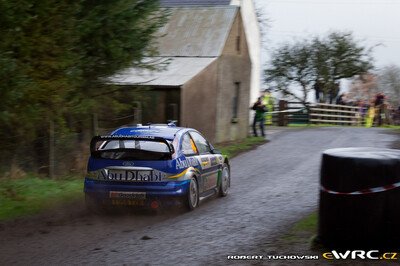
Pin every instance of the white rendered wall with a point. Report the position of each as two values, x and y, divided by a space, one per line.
252 30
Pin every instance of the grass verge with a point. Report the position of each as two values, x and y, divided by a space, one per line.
234 148
31 195
303 231
299 239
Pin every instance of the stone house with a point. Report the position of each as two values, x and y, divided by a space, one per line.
206 83
251 28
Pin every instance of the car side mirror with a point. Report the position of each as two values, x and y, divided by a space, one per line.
216 151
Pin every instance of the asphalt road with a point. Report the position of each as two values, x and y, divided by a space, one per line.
272 187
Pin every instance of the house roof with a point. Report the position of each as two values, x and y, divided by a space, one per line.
196 31
176 73
191 40
172 3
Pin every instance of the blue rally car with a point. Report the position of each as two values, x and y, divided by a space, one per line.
154 165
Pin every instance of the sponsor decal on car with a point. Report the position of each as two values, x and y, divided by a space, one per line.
213 161
184 172
185 163
131 175
147 131
126 137
205 161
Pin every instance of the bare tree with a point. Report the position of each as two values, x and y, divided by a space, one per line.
389 83
364 87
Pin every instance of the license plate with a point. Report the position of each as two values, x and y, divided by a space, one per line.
133 175
127 202
127 195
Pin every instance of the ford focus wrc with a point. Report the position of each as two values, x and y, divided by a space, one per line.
152 165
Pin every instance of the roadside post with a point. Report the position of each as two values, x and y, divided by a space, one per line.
360 198
283 116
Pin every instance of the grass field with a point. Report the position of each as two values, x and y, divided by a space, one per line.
30 195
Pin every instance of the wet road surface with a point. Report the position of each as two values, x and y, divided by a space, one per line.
272 187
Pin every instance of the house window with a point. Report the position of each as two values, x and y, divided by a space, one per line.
235 105
238 44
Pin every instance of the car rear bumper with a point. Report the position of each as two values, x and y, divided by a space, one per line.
101 189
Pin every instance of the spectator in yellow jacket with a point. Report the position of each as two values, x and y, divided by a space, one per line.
268 101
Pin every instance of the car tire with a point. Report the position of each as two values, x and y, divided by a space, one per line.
225 181
193 199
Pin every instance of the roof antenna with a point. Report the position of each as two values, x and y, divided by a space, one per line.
172 123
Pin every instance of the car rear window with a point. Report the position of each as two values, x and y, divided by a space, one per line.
132 150
135 144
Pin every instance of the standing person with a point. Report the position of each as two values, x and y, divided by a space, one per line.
318 90
388 112
259 116
370 115
268 101
379 108
341 99
363 109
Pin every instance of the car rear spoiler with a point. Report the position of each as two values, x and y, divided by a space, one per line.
96 139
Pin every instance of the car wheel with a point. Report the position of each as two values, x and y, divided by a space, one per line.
225 181
193 195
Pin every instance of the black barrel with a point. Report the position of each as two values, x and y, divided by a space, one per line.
360 198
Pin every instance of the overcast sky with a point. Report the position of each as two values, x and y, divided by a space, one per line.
371 21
